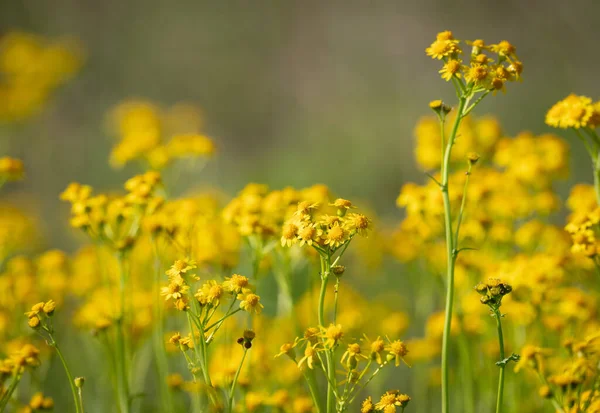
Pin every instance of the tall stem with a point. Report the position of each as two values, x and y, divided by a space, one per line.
597 178
498 316
335 298
158 333
309 375
121 348
465 358
6 396
234 383
325 271
451 256
78 408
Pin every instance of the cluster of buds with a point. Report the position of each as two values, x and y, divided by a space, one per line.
40 314
246 340
492 292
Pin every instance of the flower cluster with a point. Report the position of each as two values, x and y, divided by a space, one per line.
260 212
492 292
575 112
114 219
488 67
324 232
568 377
389 403
31 69
157 137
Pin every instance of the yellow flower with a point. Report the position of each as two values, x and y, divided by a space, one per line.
333 334
387 403
377 347
250 302
451 68
504 48
210 293
445 45
236 283
289 234
397 349
307 234
310 356
49 307
181 267
35 310
288 349
175 290
305 208
477 74
367 406
353 353
336 236
357 223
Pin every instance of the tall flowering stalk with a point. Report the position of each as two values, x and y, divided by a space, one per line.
492 293
490 67
40 319
115 222
330 235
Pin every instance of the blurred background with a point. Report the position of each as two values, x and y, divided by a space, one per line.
293 93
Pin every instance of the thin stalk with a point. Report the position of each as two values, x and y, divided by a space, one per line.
69 376
335 298
330 372
309 375
197 360
121 359
462 204
365 384
593 152
234 383
80 394
465 356
158 333
13 385
451 257
500 396
222 319
324 279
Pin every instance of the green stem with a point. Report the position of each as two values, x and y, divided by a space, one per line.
593 152
324 279
69 376
234 383
365 384
121 359
220 320
451 257
325 271
335 298
465 356
462 205
309 375
158 335
80 394
498 316
13 385
479 99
